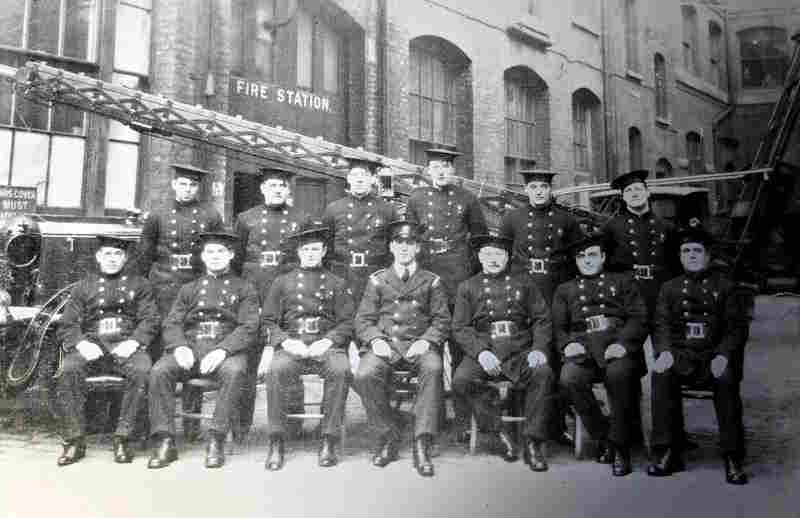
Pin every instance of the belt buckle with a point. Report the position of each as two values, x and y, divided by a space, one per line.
358 259
643 271
501 328
537 265
108 326
208 329
181 261
596 323
309 326
270 257
695 330
441 248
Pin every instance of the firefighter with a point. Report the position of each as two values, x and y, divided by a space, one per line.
263 231
402 322
701 328
308 317
599 322
502 322
358 222
108 324
209 331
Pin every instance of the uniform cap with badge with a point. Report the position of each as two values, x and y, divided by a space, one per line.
278 173
312 230
189 171
695 234
226 238
404 228
636 176
112 241
537 175
494 237
369 165
442 154
600 239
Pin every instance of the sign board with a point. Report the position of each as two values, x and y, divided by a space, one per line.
275 94
15 201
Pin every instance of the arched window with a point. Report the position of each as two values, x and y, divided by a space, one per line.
635 148
695 153
527 121
716 53
663 168
586 131
660 72
631 36
690 62
765 57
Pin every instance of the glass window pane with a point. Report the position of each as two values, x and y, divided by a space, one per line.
413 116
439 122
426 77
78 28
43 26
426 121
121 175
66 172
330 50
30 115
67 119
5 155
5 102
11 23
29 168
304 49
413 70
132 42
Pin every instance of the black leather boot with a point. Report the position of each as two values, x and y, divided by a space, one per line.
163 454
122 452
734 473
605 452
506 447
385 452
667 463
327 452
622 461
534 455
275 457
422 455
215 451
74 450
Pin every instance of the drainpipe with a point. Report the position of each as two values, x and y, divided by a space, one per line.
609 162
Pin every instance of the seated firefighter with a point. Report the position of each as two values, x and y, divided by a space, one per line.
700 332
108 324
208 331
599 322
402 323
502 323
307 318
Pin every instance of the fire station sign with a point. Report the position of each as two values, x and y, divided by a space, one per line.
15 201
275 94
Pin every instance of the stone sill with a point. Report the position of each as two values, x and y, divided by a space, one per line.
661 121
527 32
634 75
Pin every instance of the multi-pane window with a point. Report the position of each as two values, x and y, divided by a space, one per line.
689 43
631 36
431 99
586 131
660 73
527 104
635 148
580 132
694 153
716 64
765 57
318 53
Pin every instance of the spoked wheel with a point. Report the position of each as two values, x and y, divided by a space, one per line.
21 371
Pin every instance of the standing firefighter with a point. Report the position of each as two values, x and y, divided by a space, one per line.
308 317
502 322
701 328
108 324
402 322
358 222
209 331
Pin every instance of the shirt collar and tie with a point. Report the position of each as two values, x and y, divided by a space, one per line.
405 272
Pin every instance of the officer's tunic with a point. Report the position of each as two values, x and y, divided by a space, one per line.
699 316
646 246
402 313
449 216
596 312
212 312
539 234
359 238
308 305
507 315
264 254
170 251
106 310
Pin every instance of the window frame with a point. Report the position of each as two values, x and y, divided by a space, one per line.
631 21
635 148
773 31
661 84
447 100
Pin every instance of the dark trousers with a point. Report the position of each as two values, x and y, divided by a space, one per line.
285 370
539 385
621 380
668 422
72 389
373 384
165 375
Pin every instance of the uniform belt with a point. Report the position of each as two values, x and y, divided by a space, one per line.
358 259
643 271
208 329
538 266
307 326
597 324
180 261
503 328
270 257
109 326
696 330
440 245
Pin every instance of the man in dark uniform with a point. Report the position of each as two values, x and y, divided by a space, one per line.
209 331
599 320
308 317
640 239
358 222
449 215
701 328
263 231
502 323
169 243
402 322
541 232
108 323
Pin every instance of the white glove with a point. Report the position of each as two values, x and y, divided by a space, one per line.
490 363
184 356
664 361
126 348
89 350
417 348
614 351
574 349
319 347
211 361
718 365
381 348
295 347
536 358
